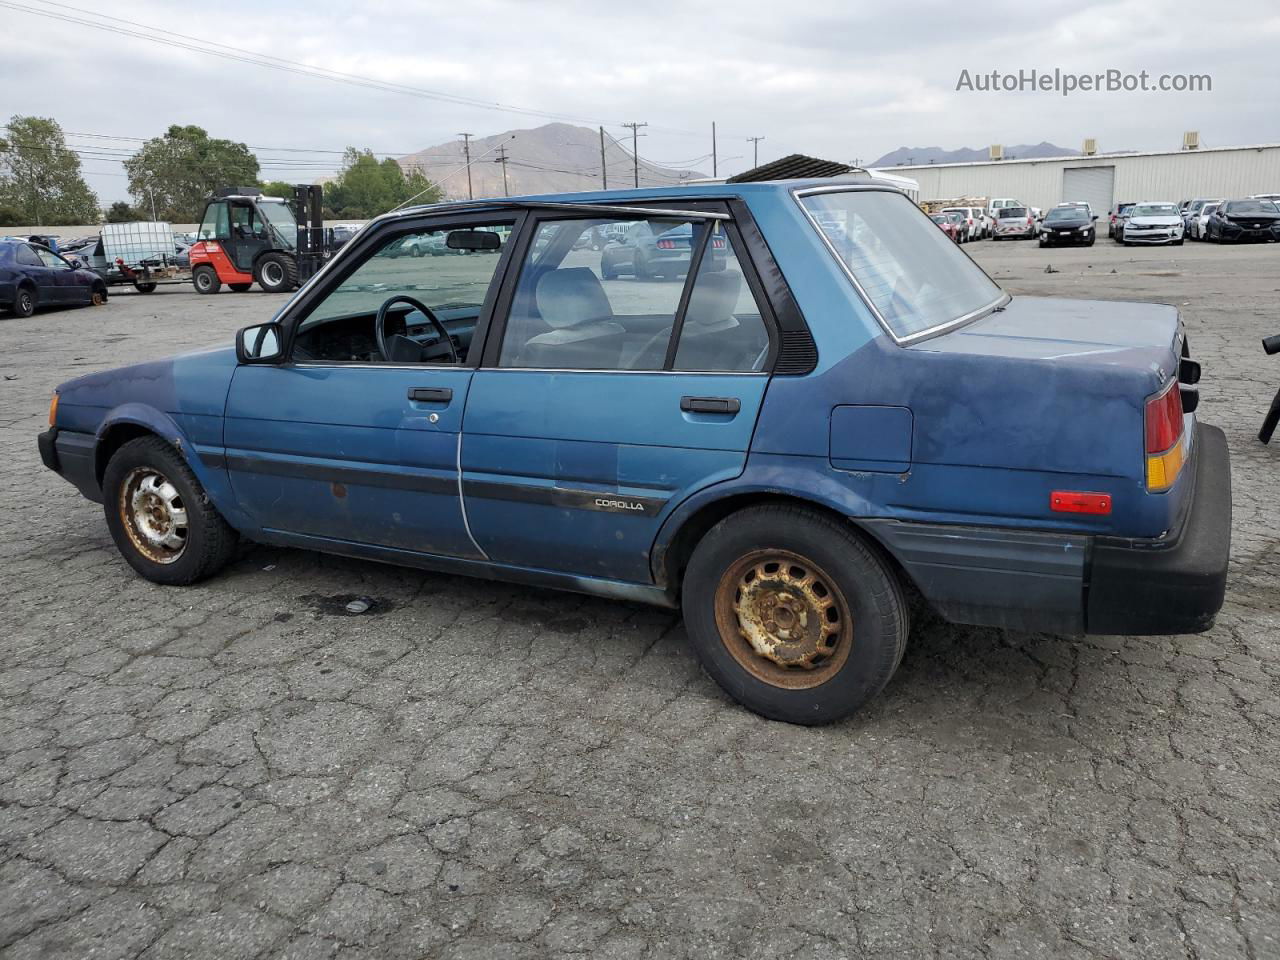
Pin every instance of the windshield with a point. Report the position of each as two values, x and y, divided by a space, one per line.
1251 206
281 218
1154 210
912 274
1066 213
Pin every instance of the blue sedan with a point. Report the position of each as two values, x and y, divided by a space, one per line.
32 275
835 408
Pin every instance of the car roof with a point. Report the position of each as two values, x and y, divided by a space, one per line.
693 191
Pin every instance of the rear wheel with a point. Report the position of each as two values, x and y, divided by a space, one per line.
277 273
24 302
205 279
160 517
793 615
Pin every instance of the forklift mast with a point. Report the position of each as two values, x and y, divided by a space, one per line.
308 211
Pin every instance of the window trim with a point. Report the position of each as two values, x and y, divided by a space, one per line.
365 246
711 210
936 329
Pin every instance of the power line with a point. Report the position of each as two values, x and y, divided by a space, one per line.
199 45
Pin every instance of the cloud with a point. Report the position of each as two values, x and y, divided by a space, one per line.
809 76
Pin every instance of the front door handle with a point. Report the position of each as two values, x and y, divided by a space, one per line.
431 394
729 405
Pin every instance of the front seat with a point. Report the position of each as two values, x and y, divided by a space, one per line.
583 335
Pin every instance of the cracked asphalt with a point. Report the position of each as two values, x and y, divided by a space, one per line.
240 769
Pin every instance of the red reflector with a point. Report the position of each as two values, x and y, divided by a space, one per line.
666 244
717 242
1067 501
1164 420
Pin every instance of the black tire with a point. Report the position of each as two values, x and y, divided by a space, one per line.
145 287
858 582
276 273
24 302
239 287
205 279
209 541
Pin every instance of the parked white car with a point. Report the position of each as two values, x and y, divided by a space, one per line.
1198 222
996 205
1153 222
973 219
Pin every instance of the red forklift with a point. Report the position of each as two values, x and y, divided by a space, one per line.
247 238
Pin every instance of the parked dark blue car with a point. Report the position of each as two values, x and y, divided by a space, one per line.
34 276
836 407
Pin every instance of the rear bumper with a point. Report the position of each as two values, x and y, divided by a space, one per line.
1176 584
71 455
1074 583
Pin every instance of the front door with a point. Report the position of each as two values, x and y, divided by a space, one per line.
610 399
355 438
62 276
35 270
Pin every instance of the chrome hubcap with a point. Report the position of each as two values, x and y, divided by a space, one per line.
154 515
273 274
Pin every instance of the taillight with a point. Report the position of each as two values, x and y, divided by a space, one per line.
1164 434
1030 221
666 244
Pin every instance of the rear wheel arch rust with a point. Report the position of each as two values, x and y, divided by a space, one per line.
669 561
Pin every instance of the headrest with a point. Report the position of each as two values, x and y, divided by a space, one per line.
570 296
714 297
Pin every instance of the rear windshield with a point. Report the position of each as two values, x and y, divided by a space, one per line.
914 276
1011 212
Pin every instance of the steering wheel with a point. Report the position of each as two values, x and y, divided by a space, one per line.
398 348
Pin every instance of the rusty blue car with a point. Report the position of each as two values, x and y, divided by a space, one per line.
831 411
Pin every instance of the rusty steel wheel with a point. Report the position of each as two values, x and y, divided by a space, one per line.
782 619
98 298
794 612
153 514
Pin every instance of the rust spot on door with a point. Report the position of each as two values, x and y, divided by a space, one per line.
339 490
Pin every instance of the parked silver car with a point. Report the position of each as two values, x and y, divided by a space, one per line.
1153 222
1015 223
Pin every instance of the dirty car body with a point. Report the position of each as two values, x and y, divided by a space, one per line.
835 395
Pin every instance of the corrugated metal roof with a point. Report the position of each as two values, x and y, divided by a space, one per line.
1081 157
793 167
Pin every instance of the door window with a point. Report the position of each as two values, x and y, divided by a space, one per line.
216 225
448 279
28 256
51 259
600 294
722 329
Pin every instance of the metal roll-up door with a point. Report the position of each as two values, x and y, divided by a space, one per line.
1094 185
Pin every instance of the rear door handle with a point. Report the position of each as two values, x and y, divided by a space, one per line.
729 405
431 394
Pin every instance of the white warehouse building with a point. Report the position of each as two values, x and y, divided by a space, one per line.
1106 179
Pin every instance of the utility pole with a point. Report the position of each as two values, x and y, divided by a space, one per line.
604 169
755 150
502 159
635 149
713 149
466 150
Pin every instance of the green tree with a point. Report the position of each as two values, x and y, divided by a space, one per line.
278 188
40 176
368 186
121 212
178 171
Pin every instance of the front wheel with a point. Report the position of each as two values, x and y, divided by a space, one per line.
160 517
793 615
144 286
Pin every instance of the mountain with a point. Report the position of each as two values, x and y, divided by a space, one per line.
553 158
922 155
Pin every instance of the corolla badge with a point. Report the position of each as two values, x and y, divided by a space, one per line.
605 503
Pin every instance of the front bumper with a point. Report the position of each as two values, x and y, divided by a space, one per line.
72 455
1075 583
1064 237
1162 237
1175 584
1232 231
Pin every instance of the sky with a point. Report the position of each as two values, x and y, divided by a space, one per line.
846 81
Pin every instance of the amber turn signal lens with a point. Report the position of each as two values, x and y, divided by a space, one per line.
53 410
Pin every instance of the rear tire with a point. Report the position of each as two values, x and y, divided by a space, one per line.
276 273
808 590
160 517
24 302
205 279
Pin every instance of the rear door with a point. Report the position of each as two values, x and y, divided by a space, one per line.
603 402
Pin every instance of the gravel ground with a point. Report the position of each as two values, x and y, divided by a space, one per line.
238 769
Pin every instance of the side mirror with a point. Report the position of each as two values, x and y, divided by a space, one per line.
1095 216
473 240
261 343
